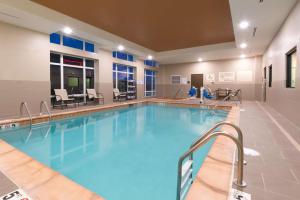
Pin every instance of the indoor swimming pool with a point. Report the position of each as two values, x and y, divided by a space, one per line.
125 153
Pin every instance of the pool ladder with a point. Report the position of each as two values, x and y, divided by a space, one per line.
185 170
25 105
44 103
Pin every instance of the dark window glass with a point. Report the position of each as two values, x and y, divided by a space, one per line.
55 38
122 68
130 57
54 78
130 69
122 82
89 78
73 61
149 72
72 42
130 77
89 63
270 76
54 58
291 65
148 83
114 66
73 80
89 47
114 79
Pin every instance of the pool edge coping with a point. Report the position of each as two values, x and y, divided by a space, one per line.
36 193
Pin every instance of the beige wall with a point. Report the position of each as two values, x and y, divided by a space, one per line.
284 100
186 69
25 69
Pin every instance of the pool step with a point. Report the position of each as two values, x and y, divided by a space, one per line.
186 177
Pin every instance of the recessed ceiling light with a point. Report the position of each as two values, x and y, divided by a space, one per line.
150 57
121 48
67 30
243 45
244 24
242 56
200 59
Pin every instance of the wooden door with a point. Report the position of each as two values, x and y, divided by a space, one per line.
197 81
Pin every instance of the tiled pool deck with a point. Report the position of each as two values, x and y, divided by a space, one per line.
273 175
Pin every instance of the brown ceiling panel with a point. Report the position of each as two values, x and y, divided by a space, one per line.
159 25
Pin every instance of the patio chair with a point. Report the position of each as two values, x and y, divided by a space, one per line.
61 96
118 96
96 97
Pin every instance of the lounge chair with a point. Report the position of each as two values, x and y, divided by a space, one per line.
61 96
118 96
96 97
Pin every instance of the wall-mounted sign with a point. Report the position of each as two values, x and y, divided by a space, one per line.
210 77
18 194
5 126
239 195
226 76
183 80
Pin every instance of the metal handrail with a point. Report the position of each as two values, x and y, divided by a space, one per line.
47 109
22 105
179 90
237 94
240 169
237 129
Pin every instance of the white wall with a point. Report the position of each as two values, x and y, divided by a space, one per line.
284 100
235 65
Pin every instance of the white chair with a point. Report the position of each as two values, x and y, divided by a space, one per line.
61 96
119 95
97 97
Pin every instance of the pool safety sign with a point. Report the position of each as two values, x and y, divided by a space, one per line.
239 195
18 194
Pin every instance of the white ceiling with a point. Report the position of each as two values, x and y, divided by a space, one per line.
267 16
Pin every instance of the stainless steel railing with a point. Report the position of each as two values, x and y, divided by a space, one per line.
176 94
25 105
44 103
203 140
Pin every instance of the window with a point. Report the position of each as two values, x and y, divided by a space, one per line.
291 58
123 56
67 72
150 89
89 47
72 42
151 63
175 79
124 77
270 76
55 38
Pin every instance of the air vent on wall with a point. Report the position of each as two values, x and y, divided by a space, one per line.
8 15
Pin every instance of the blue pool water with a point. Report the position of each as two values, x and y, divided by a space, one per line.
129 153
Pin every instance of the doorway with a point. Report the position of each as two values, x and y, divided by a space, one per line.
265 85
197 81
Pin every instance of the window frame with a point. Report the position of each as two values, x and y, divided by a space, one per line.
270 75
153 83
289 67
